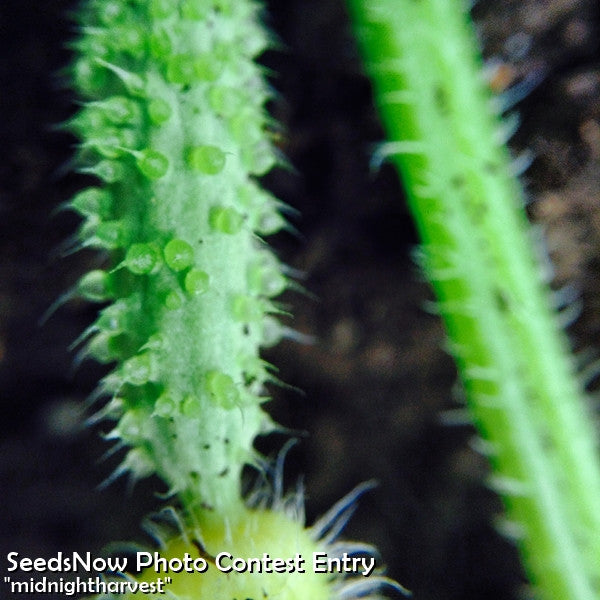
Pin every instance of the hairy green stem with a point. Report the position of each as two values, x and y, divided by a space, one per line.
477 252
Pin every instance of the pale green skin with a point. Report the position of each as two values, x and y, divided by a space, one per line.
175 109
174 125
477 252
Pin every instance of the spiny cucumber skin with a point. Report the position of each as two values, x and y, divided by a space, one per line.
513 361
173 125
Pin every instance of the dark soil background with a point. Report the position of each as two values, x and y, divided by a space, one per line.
376 381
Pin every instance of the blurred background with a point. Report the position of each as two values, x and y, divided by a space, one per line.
376 381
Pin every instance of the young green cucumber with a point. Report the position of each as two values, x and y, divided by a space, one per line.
173 126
